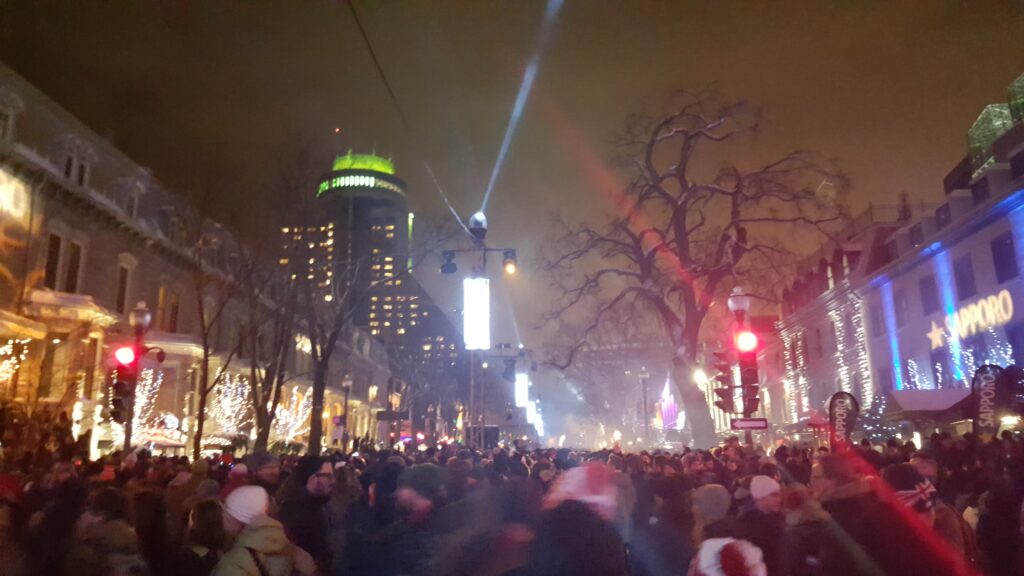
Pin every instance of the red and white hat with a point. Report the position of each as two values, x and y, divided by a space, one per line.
728 557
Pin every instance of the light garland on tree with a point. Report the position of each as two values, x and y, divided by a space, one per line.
874 428
146 390
12 354
232 405
291 419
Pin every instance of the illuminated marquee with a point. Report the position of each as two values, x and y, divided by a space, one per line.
978 316
356 181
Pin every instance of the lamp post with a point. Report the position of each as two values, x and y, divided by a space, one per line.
739 305
644 377
139 319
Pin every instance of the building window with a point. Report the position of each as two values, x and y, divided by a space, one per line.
917 235
974 349
877 327
1017 165
6 121
885 377
963 270
74 268
69 166
120 303
900 300
980 191
1015 338
929 295
819 348
53 247
943 216
83 173
133 205
172 314
161 307
1004 257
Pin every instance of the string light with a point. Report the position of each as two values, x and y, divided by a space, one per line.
146 390
12 354
875 429
292 417
232 406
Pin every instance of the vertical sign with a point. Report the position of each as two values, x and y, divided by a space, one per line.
843 410
476 313
992 392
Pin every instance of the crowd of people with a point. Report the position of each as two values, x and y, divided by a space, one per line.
954 506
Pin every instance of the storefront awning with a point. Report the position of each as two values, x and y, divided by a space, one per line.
14 326
49 305
929 400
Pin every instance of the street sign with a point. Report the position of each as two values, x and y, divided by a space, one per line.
391 415
749 424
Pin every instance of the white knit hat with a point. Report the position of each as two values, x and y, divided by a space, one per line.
761 486
246 503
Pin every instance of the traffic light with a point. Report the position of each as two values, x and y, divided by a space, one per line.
747 343
449 266
725 403
511 263
120 399
723 364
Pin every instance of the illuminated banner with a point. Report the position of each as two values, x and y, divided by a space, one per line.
989 312
476 313
842 418
992 393
522 390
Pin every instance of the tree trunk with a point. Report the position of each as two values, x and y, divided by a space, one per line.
263 433
204 391
316 421
695 405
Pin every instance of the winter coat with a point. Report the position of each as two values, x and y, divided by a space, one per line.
766 532
814 545
105 549
304 518
262 544
883 528
196 561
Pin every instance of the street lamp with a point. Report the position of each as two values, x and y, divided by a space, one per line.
140 317
739 304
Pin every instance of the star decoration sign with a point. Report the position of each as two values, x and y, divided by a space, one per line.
935 335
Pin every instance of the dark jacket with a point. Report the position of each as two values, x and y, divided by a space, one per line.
304 518
766 532
883 527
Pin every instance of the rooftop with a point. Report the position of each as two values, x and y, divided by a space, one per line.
370 162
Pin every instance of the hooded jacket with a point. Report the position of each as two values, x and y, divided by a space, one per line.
263 543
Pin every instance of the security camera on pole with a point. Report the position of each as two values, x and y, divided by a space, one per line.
477 313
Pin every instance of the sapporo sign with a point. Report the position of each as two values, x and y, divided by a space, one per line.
978 316
992 392
843 410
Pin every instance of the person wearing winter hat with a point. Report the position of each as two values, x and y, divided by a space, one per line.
763 524
265 470
710 506
303 510
260 547
728 557
916 492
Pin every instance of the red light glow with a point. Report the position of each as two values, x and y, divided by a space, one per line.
125 355
746 341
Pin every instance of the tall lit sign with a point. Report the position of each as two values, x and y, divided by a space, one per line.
476 313
522 390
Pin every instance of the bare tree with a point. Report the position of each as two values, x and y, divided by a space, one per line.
219 274
687 232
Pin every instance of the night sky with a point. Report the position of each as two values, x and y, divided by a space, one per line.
223 92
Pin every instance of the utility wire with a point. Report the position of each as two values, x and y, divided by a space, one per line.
401 113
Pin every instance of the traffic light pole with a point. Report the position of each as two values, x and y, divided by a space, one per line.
133 381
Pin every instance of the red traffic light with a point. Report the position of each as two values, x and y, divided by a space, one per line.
746 341
125 355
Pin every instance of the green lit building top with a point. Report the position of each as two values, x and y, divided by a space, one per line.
361 174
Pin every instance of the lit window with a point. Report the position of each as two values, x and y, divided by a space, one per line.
374 331
401 330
